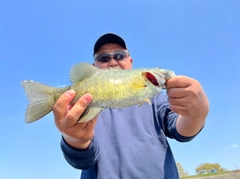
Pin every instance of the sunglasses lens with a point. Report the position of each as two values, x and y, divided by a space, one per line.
119 56
104 58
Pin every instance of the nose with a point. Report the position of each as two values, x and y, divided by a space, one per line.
112 63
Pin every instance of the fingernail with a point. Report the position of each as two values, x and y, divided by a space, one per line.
87 98
70 93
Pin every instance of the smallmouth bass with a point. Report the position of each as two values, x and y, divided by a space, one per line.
110 88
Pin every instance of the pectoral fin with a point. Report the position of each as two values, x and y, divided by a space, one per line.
147 100
89 114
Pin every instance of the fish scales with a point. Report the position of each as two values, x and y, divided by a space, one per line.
109 87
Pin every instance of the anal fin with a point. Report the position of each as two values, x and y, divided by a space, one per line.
89 114
147 100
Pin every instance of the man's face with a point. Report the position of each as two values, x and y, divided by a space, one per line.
125 64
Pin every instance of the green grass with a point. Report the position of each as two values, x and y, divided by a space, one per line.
205 175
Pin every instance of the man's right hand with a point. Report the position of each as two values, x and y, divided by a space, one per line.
77 135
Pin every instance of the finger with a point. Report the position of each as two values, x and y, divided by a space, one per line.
185 102
176 92
84 130
60 107
73 115
178 81
179 109
69 107
177 101
87 128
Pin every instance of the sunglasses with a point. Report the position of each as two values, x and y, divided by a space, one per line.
106 57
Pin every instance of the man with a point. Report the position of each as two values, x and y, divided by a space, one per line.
130 142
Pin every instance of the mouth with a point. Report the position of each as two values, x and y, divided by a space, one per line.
151 78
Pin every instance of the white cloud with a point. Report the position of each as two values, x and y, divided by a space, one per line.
231 146
60 85
234 145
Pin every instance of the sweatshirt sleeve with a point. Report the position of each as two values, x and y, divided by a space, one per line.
167 119
78 158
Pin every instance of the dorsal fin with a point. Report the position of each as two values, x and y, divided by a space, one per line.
82 70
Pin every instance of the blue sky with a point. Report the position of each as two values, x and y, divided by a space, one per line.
41 40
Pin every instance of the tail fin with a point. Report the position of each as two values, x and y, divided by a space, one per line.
41 100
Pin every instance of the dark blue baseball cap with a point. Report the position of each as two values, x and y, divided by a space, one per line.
108 38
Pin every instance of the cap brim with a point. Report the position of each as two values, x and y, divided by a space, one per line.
108 38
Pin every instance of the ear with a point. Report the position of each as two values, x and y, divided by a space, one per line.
130 60
93 64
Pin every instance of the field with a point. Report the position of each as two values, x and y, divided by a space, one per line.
223 175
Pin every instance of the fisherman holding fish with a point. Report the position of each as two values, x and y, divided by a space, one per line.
115 120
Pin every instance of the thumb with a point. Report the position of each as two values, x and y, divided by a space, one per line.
77 110
60 107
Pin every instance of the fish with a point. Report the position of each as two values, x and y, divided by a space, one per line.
110 88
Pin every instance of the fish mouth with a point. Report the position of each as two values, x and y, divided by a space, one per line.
159 78
150 77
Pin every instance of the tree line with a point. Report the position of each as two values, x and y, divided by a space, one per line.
202 169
